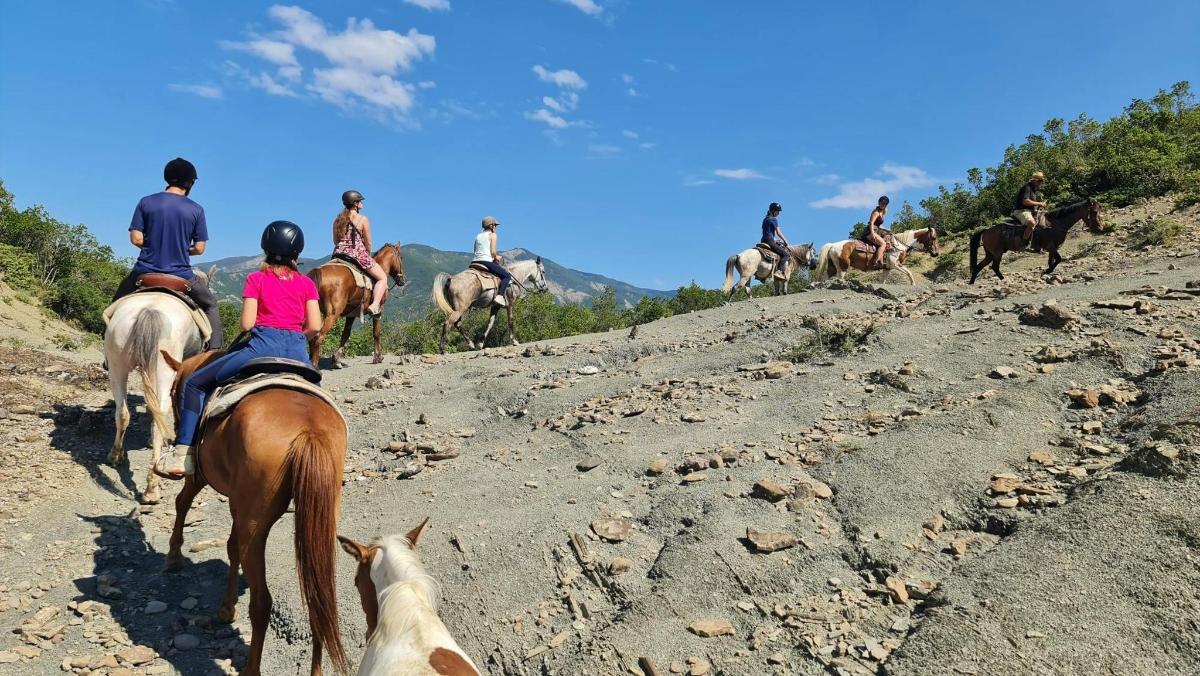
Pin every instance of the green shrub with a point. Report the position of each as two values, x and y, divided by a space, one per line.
1155 232
16 268
949 265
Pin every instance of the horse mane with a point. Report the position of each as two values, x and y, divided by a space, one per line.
1059 211
397 566
388 245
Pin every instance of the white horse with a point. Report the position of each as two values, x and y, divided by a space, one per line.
750 264
838 257
141 327
405 636
456 295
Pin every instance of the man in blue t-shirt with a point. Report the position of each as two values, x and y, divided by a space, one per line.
169 229
773 237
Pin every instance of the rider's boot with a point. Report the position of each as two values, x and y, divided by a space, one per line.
176 465
500 300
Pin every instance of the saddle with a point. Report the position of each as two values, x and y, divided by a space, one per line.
262 374
163 282
486 278
864 246
146 284
361 279
767 253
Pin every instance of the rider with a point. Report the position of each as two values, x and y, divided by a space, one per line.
352 238
872 236
485 254
169 228
1030 206
280 310
773 237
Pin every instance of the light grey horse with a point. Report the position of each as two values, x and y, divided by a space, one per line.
141 327
750 264
456 295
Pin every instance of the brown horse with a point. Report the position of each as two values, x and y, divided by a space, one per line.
276 446
1006 236
342 298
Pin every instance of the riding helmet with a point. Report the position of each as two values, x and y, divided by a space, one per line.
282 242
775 206
884 200
179 172
350 197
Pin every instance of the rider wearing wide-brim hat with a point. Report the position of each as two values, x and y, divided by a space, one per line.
280 311
1030 207
486 255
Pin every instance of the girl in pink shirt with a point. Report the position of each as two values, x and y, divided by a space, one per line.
279 309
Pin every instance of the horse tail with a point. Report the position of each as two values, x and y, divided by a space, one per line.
729 273
316 487
439 292
976 238
824 262
148 328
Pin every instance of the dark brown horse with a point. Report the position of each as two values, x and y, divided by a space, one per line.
342 298
276 447
1003 237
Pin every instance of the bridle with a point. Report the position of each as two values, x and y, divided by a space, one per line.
926 246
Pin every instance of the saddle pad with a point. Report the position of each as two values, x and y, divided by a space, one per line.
198 315
486 279
766 251
361 279
224 398
860 245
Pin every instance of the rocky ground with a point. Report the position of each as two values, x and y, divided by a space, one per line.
853 480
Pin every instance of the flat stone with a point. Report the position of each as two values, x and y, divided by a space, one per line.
1092 427
8 657
588 371
694 477
769 541
589 464
1005 483
767 489
1043 458
1085 398
897 589
186 642
709 628
154 608
619 565
1002 372
613 529
138 655
659 466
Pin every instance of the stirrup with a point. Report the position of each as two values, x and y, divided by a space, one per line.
174 466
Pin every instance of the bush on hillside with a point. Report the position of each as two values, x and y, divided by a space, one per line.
1155 232
16 268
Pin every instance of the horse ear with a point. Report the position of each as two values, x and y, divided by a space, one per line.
539 260
171 361
212 273
415 534
354 549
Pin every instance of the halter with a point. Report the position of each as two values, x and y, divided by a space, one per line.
930 232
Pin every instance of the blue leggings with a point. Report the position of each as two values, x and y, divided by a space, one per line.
263 342
498 270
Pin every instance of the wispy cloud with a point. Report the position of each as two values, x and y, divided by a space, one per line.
569 85
629 88
695 182
742 174
863 194
202 90
804 163
588 7
548 118
565 78
603 150
360 62
828 179
669 66
647 145
630 134
431 5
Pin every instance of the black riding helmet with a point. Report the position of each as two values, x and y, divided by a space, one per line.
179 173
775 206
884 200
350 197
282 242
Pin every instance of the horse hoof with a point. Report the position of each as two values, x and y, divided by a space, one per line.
114 458
227 615
173 564
151 497
377 360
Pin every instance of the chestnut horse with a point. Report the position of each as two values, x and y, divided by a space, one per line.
276 446
405 636
995 242
342 298
838 257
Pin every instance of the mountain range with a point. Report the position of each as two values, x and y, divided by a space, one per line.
422 263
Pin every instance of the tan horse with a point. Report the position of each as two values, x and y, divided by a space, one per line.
276 446
405 636
342 298
455 296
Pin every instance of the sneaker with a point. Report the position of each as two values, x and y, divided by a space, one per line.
176 465
500 300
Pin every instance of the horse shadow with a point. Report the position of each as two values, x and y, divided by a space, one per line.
128 577
85 433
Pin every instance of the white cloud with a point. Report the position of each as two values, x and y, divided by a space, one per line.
361 46
426 84
265 82
549 118
431 5
694 182
201 90
739 174
647 146
630 134
804 163
340 86
632 92
588 7
279 53
603 150
627 78
865 193
565 79
669 66
828 179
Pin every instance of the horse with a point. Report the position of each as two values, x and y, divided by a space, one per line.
276 446
405 636
341 297
995 243
838 257
456 295
751 264
141 327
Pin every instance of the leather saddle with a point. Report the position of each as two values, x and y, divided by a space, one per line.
347 258
275 366
768 254
157 282
480 267
487 280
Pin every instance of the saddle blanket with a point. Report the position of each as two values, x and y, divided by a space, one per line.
226 397
864 247
486 279
361 279
768 255
197 314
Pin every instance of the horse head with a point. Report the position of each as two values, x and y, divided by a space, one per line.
539 275
397 562
392 261
932 246
1093 217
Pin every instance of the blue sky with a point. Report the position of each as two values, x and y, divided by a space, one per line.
641 140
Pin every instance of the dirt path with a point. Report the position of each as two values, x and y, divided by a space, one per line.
989 479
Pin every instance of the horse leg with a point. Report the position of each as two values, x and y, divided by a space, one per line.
163 380
117 379
1053 260
376 330
911 280
183 503
318 340
456 320
512 332
996 264
987 258
228 610
253 547
490 324
341 349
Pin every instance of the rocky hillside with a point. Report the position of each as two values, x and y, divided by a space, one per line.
861 479
422 263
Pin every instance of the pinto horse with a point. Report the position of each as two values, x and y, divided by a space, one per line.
996 242
276 446
838 257
750 265
341 297
405 636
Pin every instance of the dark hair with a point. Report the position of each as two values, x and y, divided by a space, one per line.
884 200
